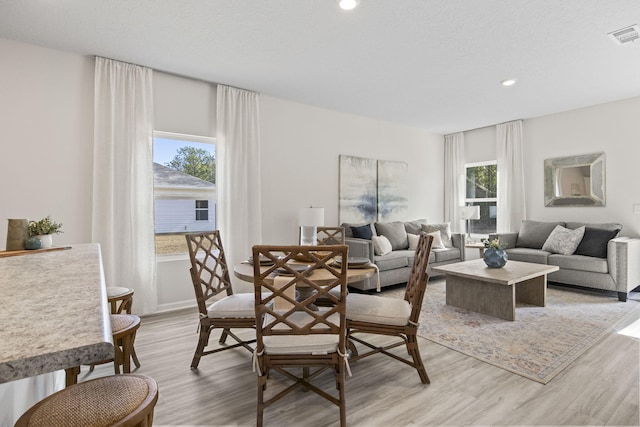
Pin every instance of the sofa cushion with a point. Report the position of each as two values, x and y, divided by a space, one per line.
414 227
445 232
537 256
437 240
533 234
392 260
362 232
395 232
595 241
448 254
563 240
349 233
579 262
610 226
381 245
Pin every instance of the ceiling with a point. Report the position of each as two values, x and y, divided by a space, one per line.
432 64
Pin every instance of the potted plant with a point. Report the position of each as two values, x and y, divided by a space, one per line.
494 254
43 230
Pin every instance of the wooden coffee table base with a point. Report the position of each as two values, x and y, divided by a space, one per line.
495 299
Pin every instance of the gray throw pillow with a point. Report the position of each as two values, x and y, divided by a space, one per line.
414 227
563 241
533 234
445 232
394 232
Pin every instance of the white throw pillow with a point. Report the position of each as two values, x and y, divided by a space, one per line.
381 245
413 241
437 240
445 232
563 240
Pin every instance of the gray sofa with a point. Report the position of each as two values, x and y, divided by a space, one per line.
395 266
602 259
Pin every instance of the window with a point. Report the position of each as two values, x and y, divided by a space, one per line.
481 190
184 170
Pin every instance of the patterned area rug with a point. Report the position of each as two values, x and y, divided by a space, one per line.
540 343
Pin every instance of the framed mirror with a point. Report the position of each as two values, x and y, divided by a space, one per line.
575 181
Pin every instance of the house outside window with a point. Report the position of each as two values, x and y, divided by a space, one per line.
184 168
481 190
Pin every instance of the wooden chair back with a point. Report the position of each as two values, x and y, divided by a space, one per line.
209 269
331 236
417 283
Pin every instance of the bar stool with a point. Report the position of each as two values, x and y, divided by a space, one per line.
124 327
123 400
120 299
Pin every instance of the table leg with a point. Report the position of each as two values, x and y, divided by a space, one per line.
71 375
483 297
532 291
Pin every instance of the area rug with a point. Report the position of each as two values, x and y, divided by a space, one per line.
540 343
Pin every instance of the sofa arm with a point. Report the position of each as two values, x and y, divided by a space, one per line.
623 254
361 248
508 240
458 240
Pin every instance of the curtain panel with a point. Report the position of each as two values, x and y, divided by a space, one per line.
239 188
122 216
511 196
454 179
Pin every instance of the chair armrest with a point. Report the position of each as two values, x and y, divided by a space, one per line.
360 247
458 240
508 240
623 254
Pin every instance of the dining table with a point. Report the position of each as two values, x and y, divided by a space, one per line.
54 317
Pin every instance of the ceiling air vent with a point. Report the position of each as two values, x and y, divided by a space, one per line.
626 35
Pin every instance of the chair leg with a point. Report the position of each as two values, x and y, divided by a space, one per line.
262 385
224 335
340 387
414 351
202 343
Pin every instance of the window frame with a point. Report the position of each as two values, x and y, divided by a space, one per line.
472 201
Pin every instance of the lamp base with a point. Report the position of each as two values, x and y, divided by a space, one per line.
308 235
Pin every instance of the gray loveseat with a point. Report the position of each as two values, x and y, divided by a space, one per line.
394 267
602 259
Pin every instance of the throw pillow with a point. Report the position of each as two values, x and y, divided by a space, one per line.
437 240
413 241
533 234
445 232
362 232
395 232
381 245
414 227
563 241
595 241
347 228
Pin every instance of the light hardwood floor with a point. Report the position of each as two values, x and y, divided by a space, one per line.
599 388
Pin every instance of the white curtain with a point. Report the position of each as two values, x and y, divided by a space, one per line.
122 219
454 179
511 201
239 188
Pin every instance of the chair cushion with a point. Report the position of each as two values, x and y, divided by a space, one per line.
533 234
374 309
233 306
301 344
445 232
563 240
116 291
395 232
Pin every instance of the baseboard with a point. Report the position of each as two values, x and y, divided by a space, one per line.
173 306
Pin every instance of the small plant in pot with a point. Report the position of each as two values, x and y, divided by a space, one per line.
42 230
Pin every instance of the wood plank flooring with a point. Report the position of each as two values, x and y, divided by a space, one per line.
600 388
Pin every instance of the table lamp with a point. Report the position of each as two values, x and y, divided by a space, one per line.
468 213
309 219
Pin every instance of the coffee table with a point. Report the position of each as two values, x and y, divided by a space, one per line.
494 291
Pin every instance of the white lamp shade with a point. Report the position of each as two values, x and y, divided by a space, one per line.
469 212
311 217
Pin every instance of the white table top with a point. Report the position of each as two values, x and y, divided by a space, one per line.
54 312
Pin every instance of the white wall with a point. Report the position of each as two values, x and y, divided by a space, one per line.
612 128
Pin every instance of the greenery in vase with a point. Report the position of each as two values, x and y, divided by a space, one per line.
44 226
493 244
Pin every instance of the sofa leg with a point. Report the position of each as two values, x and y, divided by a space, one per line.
622 296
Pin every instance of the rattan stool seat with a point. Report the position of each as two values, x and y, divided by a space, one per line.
123 296
117 400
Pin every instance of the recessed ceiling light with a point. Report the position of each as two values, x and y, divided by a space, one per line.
508 82
348 4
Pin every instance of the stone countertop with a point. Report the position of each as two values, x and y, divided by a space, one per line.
54 313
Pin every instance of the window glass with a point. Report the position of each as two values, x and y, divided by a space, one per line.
481 190
184 169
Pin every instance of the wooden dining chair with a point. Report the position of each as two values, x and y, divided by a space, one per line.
210 277
295 338
370 314
331 235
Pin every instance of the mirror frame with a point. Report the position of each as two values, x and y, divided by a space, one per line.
596 193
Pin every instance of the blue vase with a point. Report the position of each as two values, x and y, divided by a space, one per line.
495 258
32 243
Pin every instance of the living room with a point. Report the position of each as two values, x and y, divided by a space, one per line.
47 118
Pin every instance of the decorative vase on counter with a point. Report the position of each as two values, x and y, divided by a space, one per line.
32 243
495 258
46 240
17 234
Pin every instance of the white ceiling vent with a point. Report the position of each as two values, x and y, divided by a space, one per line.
626 35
